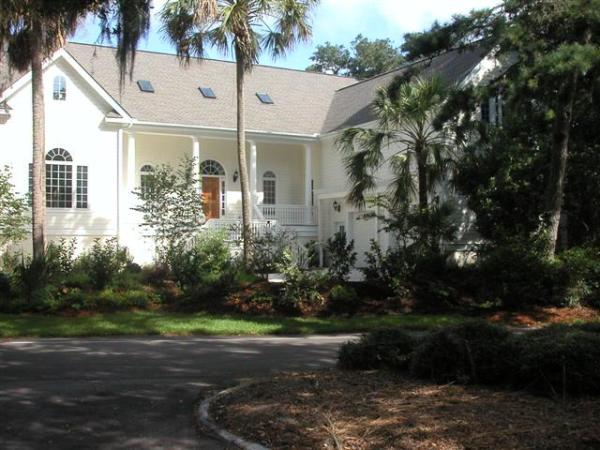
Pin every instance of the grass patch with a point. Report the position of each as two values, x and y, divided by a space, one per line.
166 324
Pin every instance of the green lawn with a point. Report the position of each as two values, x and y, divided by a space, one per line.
160 323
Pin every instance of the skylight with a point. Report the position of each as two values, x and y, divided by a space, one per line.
265 98
207 92
145 86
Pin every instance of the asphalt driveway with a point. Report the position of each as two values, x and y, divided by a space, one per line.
132 393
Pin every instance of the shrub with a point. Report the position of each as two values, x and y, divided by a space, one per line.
559 360
268 251
385 348
60 259
343 298
517 273
341 256
32 279
580 269
104 262
473 352
205 270
5 286
301 288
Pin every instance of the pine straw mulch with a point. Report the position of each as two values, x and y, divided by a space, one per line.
375 410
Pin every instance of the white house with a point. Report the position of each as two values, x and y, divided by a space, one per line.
102 140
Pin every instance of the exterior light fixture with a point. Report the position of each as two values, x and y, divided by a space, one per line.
336 206
236 175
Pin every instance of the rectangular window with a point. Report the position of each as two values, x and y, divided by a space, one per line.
485 111
60 88
59 186
269 192
82 187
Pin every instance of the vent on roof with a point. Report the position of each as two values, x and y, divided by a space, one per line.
207 92
145 86
265 98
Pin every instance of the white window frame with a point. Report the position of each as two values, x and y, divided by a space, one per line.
146 169
59 88
269 176
74 180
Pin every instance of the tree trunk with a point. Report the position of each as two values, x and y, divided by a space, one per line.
38 209
558 160
242 160
422 179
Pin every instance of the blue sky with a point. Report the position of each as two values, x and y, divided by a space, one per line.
337 21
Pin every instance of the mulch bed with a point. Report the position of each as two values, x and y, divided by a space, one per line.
377 410
540 316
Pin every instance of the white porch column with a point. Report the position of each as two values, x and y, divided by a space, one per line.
130 166
308 183
120 184
308 174
196 158
253 168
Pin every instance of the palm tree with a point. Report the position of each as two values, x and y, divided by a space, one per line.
243 28
30 32
405 112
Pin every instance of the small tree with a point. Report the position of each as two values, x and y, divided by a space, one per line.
171 205
341 256
13 211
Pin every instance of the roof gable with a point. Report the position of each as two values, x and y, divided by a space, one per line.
301 99
352 106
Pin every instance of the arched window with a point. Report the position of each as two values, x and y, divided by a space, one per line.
60 88
61 191
146 172
269 188
212 168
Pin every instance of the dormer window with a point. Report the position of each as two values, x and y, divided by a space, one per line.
491 110
145 86
59 92
207 92
265 98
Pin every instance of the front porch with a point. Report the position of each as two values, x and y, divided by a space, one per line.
280 172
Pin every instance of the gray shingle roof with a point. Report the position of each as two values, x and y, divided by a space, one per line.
352 105
304 102
301 99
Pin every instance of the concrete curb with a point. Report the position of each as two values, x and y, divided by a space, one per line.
230 438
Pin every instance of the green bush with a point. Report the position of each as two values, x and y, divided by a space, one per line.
473 352
104 262
301 288
5 286
343 299
580 270
207 270
268 251
380 349
517 273
341 256
559 360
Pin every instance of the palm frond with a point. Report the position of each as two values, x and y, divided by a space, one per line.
403 187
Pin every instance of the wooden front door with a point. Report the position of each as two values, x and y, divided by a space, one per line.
211 195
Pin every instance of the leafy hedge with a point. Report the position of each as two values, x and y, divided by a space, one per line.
555 361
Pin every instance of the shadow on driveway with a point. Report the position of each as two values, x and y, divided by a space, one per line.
132 393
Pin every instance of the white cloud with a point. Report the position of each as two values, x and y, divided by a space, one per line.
390 18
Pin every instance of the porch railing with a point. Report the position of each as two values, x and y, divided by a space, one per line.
233 227
290 214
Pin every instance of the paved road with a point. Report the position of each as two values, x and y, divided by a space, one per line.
132 393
